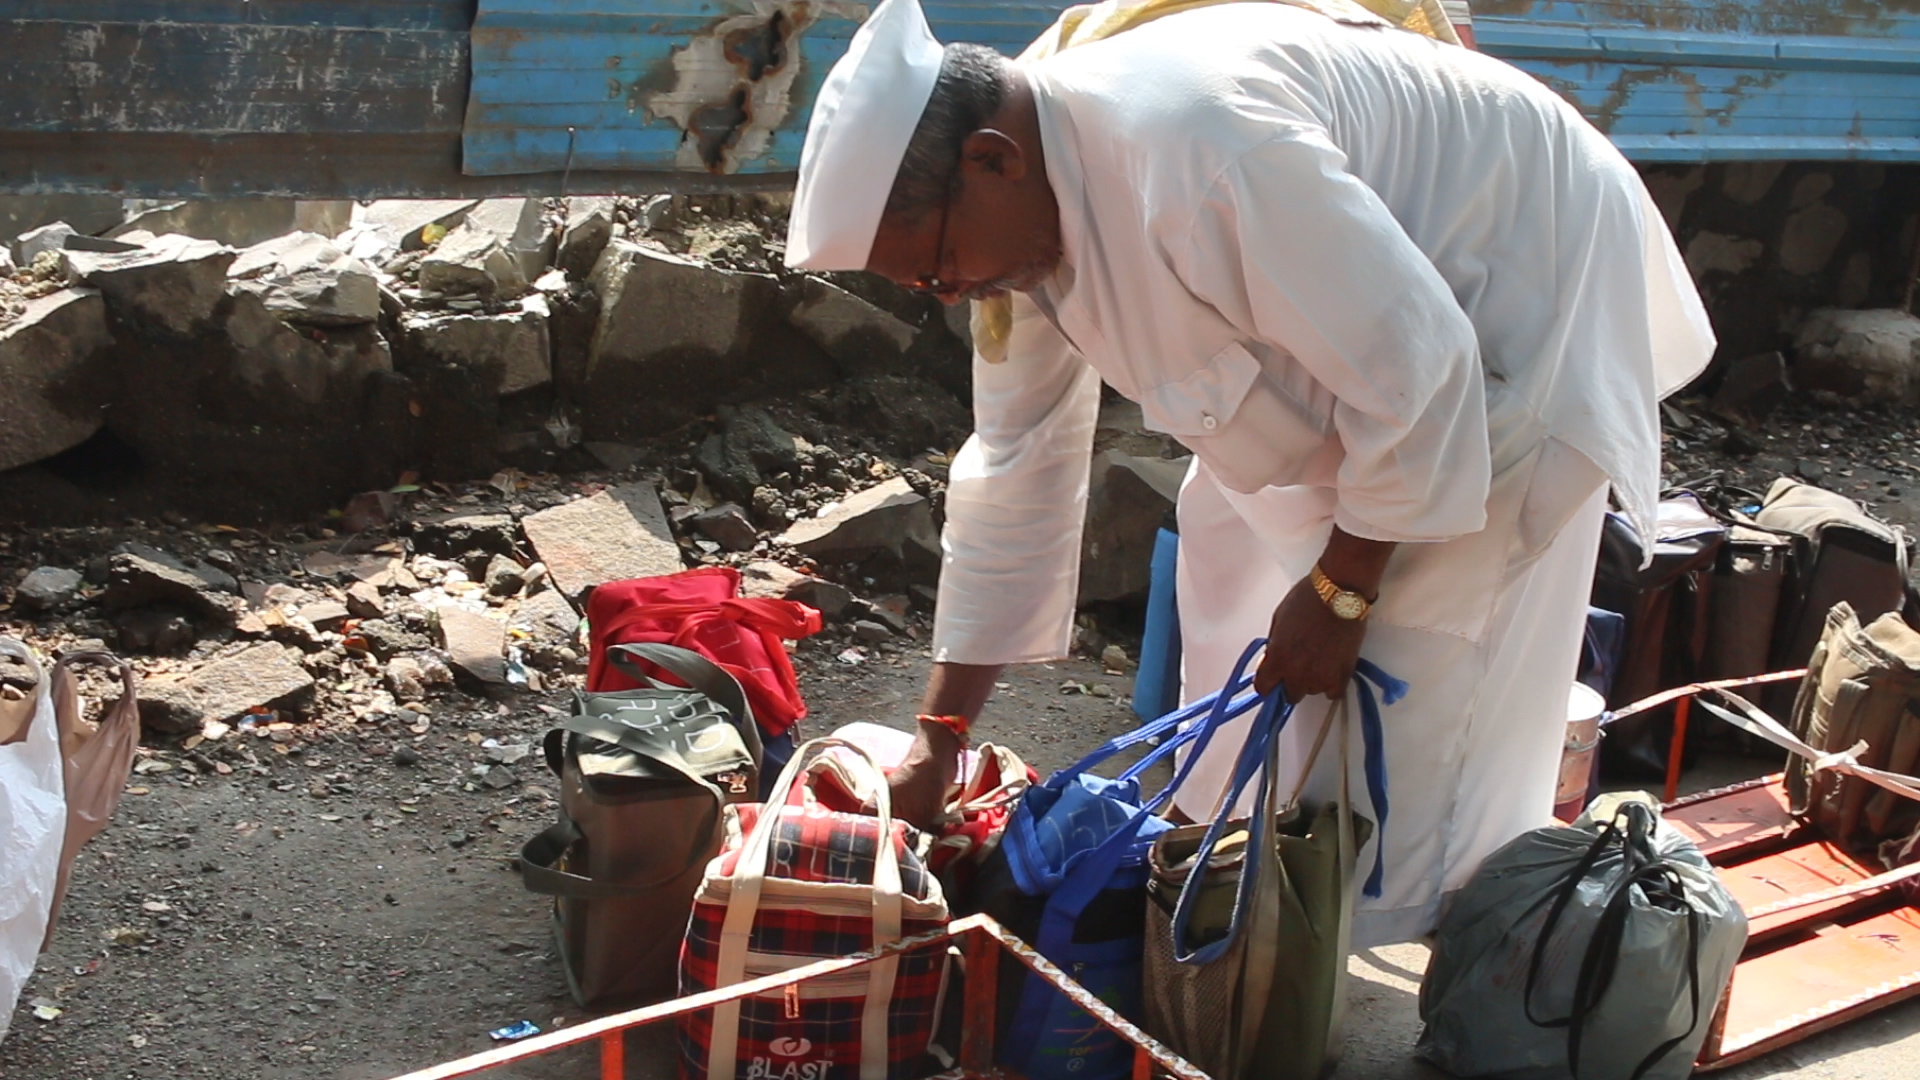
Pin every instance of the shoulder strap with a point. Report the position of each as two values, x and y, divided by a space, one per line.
697 672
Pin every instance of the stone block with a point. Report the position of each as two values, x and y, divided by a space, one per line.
848 328
47 588
547 618
727 525
175 282
53 391
459 535
405 219
35 242
589 230
1127 500
303 278
1864 357
227 689
473 261
475 644
519 225
240 222
616 534
289 372
511 351
140 576
887 519
669 331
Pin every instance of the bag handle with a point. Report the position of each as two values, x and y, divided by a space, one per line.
608 730
1082 879
743 903
1755 721
699 673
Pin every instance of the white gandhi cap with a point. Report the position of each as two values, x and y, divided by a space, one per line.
862 119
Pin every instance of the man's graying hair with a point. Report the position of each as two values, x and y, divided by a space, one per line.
974 82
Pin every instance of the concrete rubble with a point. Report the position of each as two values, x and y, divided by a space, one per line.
227 690
851 330
49 359
887 530
1862 357
303 278
174 283
612 535
509 352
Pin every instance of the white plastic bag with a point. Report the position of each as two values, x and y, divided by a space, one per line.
33 824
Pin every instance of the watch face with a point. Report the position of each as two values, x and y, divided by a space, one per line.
1348 606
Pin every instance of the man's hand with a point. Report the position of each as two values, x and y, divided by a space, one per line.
1310 650
921 782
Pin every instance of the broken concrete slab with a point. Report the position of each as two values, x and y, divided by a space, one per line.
589 229
326 614
227 689
175 282
663 321
289 370
727 525
520 226
888 518
764 579
31 244
138 575
364 601
406 219
475 644
1128 498
303 278
504 576
615 534
52 394
47 588
241 222
510 351
389 637
1861 357
547 619
472 261
848 328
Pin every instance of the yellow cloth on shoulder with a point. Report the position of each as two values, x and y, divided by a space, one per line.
993 319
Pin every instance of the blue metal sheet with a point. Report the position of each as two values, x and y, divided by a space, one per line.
1724 80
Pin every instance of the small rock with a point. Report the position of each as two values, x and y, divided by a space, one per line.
764 579
1100 690
406 679
887 519
728 526
139 576
463 534
47 588
154 632
325 614
548 618
475 644
830 599
50 237
405 756
891 612
1811 471
1114 658
473 262
387 638
870 631
499 777
504 576
364 600
616 534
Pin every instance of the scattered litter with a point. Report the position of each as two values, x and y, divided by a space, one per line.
514 1032
138 1042
156 906
853 654
127 935
45 1008
1071 686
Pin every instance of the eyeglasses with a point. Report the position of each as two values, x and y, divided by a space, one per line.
930 284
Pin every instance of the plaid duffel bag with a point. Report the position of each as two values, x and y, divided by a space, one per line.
807 883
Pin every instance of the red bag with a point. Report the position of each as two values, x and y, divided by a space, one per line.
797 882
700 610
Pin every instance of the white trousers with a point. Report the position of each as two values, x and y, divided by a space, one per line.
1472 751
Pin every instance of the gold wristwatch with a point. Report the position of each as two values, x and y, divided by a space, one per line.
1344 603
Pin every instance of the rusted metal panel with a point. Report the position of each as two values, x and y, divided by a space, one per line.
1707 80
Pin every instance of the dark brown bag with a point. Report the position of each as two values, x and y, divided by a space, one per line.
1748 579
1665 606
643 775
1841 553
1862 685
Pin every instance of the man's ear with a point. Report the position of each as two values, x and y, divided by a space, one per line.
994 153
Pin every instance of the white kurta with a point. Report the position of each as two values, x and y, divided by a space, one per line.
1374 282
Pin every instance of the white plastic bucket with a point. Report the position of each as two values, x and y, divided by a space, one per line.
1584 709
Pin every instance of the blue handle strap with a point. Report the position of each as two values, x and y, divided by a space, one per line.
1373 736
1274 713
1084 878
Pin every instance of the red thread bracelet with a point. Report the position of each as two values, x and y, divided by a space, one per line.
959 725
